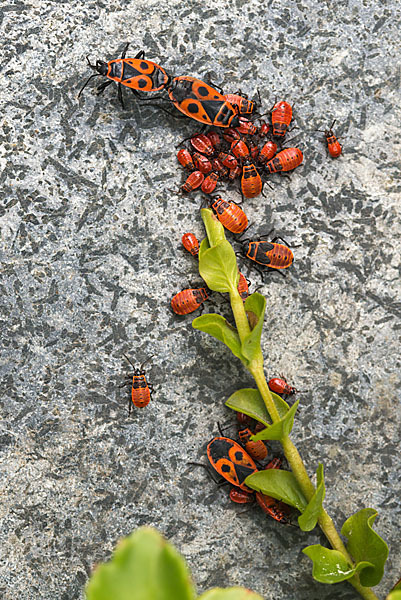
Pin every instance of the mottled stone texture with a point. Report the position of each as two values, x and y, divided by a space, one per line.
91 256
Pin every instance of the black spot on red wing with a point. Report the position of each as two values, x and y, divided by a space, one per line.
239 456
144 66
193 108
226 468
203 91
219 448
142 83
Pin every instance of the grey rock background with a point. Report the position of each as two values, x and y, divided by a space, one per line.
91 257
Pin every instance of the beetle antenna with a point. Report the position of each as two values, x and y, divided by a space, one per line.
147 360
129 360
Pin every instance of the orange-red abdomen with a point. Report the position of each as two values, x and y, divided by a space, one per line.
281 118
264 129
210 182
185 159
273 255
245 106
191 243
247 127
286 160
202 143
274 508
240 149
218 166
228 160
230 215
280 386
202 163
230 135
215 139
333 145
267 152
240 496
257 449
243 290
186 301
140 391
234 173
251 182
193 181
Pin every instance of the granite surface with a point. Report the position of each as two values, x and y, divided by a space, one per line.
91 257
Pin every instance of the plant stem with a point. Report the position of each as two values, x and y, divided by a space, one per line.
239 313
291 453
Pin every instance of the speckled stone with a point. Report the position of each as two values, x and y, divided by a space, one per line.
91 257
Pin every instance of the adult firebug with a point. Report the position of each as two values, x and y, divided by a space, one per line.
231 461
135 73
200 101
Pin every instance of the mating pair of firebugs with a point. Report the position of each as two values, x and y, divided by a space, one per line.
193 97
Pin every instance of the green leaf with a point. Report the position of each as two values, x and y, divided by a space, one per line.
278 484
330 566
234 593
279 429
395 595
307 521
218 267
364 544
144 567
397 585
217 260
217 326
250 402
214 229
256 305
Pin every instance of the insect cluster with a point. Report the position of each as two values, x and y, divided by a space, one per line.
246 153
236 146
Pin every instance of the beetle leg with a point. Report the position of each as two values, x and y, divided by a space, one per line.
125 51
120 95
100 89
